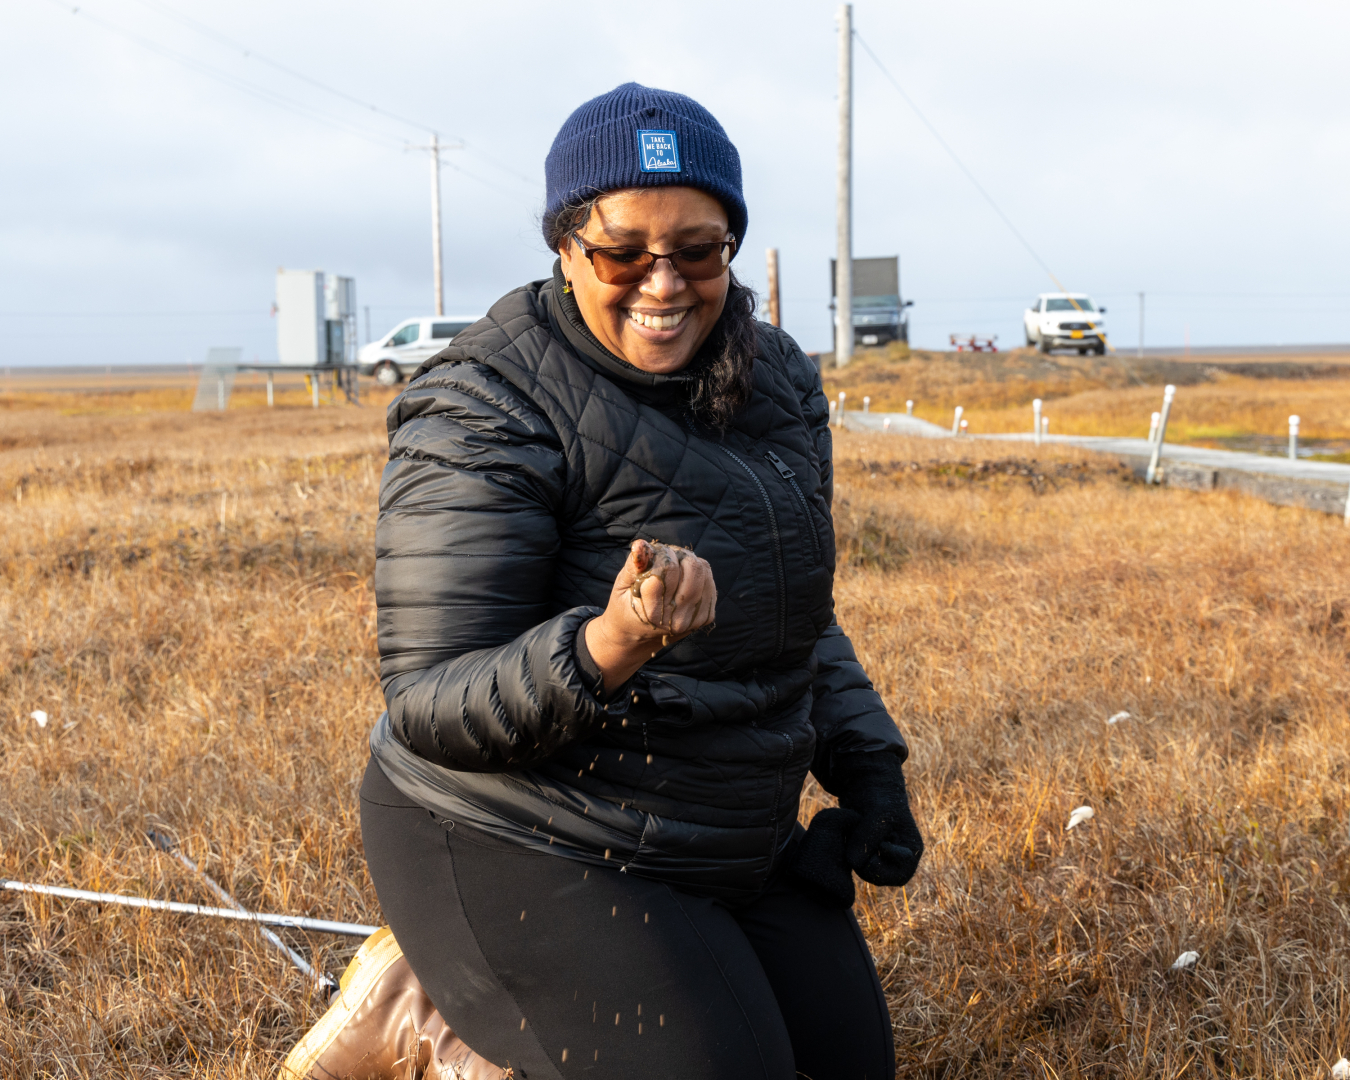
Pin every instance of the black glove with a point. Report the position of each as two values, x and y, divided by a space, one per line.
820 855
871 833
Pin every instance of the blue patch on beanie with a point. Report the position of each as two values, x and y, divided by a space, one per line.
659 151
634 137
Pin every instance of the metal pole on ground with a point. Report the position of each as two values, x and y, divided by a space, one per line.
322 926
220 392
956 420
909 408
1169 391
314 388
843 267
1153 427
269 389
321 979
775 315
1036 421
1293 437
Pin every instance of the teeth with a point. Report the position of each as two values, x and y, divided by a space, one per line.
658 322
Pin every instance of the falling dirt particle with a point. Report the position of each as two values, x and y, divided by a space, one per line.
522 1023
613 911
564 1054
522 916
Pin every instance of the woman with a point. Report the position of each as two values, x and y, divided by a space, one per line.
605 563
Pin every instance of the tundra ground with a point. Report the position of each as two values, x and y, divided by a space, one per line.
189 600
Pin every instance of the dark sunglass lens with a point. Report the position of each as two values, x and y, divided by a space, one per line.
621 266
702 262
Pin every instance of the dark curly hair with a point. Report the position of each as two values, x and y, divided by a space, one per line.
721 376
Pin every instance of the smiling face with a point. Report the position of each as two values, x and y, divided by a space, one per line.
658 324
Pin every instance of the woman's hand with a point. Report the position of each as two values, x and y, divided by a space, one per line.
662 594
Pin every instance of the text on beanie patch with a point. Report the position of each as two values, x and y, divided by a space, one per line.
659 151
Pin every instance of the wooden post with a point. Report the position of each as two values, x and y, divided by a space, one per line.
1169 392
775 313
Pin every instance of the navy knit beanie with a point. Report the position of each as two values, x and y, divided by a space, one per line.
635 137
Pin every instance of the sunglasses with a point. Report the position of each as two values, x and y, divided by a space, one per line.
628 266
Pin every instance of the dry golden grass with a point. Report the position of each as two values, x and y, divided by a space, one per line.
189 598
1216 403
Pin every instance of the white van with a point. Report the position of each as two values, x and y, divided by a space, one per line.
396 355
1066 321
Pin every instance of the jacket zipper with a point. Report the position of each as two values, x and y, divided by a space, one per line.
791 477
777 551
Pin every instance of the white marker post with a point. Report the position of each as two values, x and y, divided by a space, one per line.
886 424
1169 392
965 426
1153 427
832 410
867 404
842 395
909 408
1293 437
1045 426
956 421
1036 421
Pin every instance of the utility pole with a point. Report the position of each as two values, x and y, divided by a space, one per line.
775 314
843 280
1141 326
436 146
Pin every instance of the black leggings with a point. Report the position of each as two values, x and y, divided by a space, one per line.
559 970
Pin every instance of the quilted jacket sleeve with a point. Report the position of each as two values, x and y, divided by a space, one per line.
848 713
477 674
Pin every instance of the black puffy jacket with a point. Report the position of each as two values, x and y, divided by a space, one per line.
523 461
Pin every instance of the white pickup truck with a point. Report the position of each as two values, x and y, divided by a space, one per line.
397 354
1066 321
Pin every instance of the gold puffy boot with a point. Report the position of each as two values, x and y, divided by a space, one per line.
382 1026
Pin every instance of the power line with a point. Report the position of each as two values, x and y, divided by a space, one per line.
233 81
252 54
959 163
308 112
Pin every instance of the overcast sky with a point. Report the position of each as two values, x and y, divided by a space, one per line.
155 176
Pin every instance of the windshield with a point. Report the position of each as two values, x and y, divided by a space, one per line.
1060 303
407 334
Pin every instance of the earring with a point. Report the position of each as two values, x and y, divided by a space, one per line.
567 288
